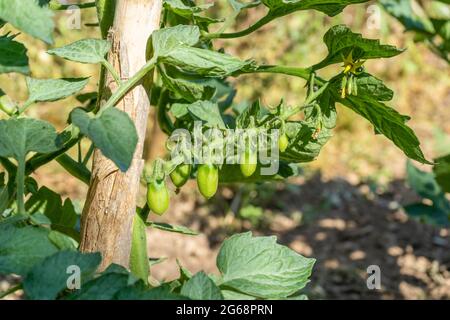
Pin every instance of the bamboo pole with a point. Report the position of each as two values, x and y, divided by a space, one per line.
106 223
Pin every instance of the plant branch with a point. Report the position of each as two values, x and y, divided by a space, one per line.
8 165
25 106
10 290
111 70
20 184
125 87
75 168
260 23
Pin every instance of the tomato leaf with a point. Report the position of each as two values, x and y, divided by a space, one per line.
260 267
174 46
442 172
279 8
84 51
53 89
140 291
112 131
13 56
48 278
20 136
201 287
23 247
388 122
369 85
208 112
30 17
188 90
188 10
340 41
61 214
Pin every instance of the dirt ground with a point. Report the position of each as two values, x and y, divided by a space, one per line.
352 227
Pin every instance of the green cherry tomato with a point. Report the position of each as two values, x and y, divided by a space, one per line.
249 163
283 142
7 105
181 175
158 197
208 180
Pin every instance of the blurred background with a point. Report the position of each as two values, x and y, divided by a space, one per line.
345 208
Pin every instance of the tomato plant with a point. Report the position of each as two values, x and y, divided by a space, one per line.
39 232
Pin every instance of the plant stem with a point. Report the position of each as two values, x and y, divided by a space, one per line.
75 168
8 165
20 181
113 71
55 5
88 154
25 106
263 21
10 291
125 87
39 160
304 73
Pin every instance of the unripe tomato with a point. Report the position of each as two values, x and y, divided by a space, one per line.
7 105
181 175
283 142
208 180
158 197
249 163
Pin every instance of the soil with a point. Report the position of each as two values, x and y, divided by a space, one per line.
346 227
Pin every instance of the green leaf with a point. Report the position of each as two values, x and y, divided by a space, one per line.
279 8
140 291
388 122
5 193
23 247
53 89
303 146
84 51
205 62
188 90
340 41
30 17
172 228
442 172
48 278
64 242
369 85
260 267
428 214
403 12
40 219
112 131
62 215
201 287
168 39
231 173
208 112
187 9
233 295
23 135
104 287
13 56
174 47
424 183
